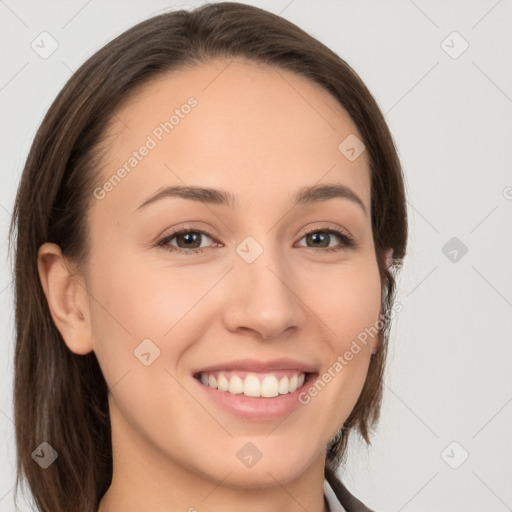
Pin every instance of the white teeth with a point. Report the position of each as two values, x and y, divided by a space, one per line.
222 382
283 386
252 386
270 386
236 385
292 384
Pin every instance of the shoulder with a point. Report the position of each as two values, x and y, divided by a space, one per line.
347 499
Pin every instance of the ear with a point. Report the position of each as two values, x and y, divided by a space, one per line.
388 257
67 298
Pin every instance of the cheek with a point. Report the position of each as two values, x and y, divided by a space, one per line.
348 302
141 301
134 302
349 308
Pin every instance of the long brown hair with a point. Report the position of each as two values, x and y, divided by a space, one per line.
61 397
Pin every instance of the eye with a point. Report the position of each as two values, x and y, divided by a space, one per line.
321 239
188 241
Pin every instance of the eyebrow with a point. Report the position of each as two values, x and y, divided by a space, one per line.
305 195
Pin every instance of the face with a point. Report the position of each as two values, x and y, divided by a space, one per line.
259 288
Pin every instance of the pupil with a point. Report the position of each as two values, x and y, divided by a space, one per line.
316 236
189 237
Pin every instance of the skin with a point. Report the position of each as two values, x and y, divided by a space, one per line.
261 135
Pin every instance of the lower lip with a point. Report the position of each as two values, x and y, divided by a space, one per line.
256 408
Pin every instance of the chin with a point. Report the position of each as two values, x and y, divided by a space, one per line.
264 477
273 462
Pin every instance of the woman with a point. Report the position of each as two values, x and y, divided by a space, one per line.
207 227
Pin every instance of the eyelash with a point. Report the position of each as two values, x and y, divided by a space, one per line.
348 241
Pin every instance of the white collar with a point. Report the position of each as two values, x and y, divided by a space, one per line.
332 500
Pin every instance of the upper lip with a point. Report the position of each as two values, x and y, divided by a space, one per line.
253 365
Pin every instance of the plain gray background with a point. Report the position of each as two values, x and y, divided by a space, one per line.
448 390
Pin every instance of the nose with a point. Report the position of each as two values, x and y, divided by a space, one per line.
265 297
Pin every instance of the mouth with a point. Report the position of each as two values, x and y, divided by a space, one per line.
268 384
256 390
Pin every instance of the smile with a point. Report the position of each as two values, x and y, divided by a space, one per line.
252 384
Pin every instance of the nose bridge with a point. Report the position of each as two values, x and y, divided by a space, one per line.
263 298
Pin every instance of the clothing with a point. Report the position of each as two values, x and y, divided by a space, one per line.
332 503
338 498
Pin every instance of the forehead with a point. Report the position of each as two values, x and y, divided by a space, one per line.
249 128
